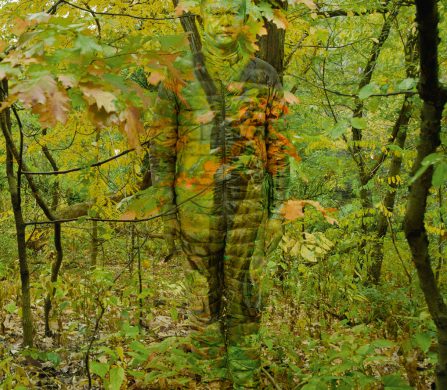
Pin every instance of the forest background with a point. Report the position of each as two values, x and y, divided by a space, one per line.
91 293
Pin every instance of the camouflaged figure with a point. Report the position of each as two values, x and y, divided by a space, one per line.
220 156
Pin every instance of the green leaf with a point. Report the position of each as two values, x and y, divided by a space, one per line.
129 330
423 341
431 159
364 349
367 91
100 369
11 307
358 123
407 84
339 129
395 382
116 377
53 357
172 42
383 344
440 174
140 348
87 44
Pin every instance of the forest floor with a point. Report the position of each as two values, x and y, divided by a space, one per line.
302 346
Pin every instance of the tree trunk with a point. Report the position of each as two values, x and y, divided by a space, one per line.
15 192
94 244
357 152
434 98
375 269
271 46
55 268
400 132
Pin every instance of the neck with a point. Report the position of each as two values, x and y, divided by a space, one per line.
223 63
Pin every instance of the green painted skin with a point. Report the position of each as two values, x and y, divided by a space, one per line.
219 157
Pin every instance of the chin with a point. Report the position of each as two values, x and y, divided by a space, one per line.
224 42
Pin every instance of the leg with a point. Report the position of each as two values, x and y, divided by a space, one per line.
204 293
243 270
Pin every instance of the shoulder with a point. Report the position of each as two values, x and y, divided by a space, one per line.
261 72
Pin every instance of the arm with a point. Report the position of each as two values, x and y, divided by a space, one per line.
162 150
278 165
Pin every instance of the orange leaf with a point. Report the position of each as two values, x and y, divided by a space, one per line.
279 19
129 215
293 209
132 125
207 117
55 110
211 166
20 26
155 78
290 98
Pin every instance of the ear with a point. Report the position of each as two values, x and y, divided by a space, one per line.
244 10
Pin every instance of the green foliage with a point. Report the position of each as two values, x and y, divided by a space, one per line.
76 79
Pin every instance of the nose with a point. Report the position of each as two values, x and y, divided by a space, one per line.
226 21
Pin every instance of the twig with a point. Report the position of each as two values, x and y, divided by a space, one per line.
168 212
271 379
97 164
393 239
123 14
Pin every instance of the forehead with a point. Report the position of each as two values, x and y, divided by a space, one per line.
227 5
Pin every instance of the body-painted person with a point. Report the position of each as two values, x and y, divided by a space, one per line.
220 157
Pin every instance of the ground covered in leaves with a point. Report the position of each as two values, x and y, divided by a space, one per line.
312 337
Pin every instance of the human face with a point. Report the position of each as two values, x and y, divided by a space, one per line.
222 21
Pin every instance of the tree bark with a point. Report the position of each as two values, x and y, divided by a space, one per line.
55 268
400 134
434 97
271 46
16 201
57 263
364 177
357 135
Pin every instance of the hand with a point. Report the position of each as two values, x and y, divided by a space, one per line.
172 231
171 228
274 231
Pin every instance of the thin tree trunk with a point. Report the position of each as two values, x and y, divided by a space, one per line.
364 176
55 268
434 97
94 244
363 173
57 263
14 184
400 134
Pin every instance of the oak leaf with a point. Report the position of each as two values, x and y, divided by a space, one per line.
55 110
67 80
293 209
132 125
103 99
